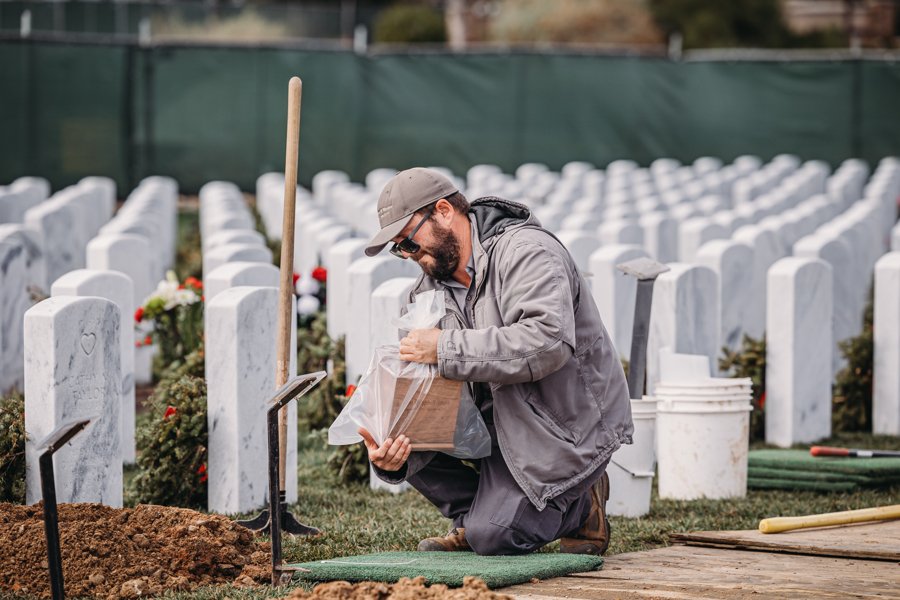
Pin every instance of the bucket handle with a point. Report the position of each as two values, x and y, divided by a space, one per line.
633 473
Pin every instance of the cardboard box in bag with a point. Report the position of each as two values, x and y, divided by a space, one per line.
432 425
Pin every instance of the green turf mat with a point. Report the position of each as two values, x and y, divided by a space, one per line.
879 468
760 483
826 476
447 567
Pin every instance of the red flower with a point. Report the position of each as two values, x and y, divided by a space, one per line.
762 401
296 277
350 389
320 274
170 410
201 471
180 286
139 314
148 340
194 283
138 344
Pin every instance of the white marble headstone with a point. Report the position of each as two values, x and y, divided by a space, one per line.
53 222
767 249
14 301
387 300
614 292
684 316
235 274
799 344
580 246
695 232
733 263
660 233
886 387
846 320
117 288
339 258
73 369
235 252
241 351
366 274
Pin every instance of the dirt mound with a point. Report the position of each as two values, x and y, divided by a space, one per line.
405 589
126 553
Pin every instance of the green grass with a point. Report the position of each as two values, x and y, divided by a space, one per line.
356 520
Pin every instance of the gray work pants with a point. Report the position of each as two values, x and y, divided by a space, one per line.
498 517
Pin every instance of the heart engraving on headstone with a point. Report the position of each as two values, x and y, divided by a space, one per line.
88 341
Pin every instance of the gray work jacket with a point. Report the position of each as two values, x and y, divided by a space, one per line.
560 400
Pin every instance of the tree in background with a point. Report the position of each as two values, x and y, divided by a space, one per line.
735 23
618 22
405 23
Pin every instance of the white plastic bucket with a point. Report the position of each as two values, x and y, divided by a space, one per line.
631 467
702 448
629 495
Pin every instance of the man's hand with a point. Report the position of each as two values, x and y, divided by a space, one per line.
420 346
391 455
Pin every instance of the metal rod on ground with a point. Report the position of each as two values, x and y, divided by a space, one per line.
53 442
646 271
291 390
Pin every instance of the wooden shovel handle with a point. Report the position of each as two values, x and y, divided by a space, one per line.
779 524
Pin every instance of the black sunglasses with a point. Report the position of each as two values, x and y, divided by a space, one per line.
407 245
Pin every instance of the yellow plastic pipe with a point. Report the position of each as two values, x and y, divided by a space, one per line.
779 524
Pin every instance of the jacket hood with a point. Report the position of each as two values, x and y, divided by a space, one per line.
495 215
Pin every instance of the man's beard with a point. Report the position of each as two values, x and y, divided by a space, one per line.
445 253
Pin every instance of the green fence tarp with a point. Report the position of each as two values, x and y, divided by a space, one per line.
199 113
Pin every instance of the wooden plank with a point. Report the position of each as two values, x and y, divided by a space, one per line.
878 541
681 572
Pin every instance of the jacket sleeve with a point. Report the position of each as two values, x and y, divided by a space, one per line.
537 309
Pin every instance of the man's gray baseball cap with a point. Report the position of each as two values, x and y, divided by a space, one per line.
404 194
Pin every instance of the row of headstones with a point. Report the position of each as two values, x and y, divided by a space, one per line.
41 238
579 197
741 258
122 264
768 242
73 369
241 297
228 229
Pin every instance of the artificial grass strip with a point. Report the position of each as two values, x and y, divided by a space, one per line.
760 483
795 474
885 470
448 568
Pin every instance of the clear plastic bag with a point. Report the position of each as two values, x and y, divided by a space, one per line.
398 397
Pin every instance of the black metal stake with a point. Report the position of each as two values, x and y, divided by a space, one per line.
277 506
53 442
646 271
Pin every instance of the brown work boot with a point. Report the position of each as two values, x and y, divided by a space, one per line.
455 541
593 537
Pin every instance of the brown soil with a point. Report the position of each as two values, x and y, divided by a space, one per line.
405 589
125 553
